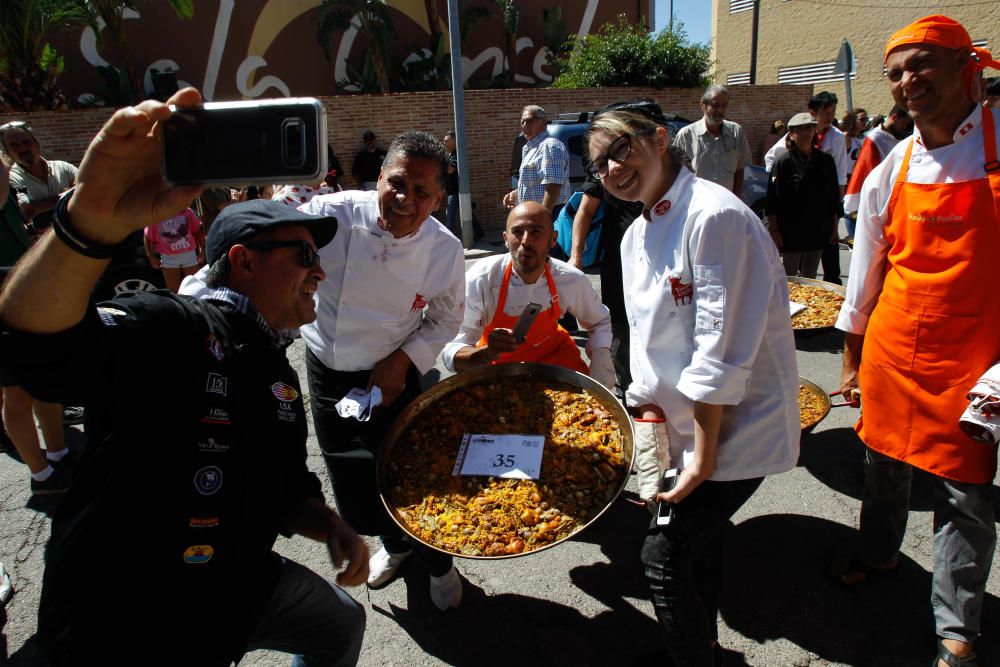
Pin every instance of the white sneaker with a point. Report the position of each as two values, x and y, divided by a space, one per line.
446 591
383 565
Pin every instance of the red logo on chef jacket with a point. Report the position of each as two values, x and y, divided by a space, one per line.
418 303
683 292
284 392
965 129
662 207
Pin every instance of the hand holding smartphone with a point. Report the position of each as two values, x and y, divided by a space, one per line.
665 508
524 322
242 143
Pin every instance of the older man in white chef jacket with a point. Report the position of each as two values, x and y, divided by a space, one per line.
394 295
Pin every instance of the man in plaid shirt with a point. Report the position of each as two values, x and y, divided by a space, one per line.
544 175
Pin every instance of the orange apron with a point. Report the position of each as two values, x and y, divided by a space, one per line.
546 342
936 326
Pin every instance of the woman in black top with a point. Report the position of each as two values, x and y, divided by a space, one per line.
803 199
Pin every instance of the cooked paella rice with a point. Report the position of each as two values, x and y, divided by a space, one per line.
822 306
811 407
582 468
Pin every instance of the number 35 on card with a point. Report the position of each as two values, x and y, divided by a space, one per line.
512 456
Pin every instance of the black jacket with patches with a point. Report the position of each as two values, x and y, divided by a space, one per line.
161 549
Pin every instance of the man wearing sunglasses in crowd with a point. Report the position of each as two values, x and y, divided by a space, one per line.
37 181
192 472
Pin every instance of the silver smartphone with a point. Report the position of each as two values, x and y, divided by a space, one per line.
246 143
524 322
665 509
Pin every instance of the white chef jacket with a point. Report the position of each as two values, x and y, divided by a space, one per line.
381 293
833 143
707 302
482 294
884 142
954 163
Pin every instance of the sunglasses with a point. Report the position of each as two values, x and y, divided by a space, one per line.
307 254
619 151
13 125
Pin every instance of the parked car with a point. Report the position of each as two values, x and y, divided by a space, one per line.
569 129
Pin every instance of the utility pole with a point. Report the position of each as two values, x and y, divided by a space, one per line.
753 42
458 98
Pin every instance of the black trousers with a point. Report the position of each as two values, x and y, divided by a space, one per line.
831 263
682 563
349 451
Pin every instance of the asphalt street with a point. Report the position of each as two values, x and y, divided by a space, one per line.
585 602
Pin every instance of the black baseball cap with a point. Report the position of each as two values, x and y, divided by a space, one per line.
242 221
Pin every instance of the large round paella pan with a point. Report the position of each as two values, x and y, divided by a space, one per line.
822 300
583 437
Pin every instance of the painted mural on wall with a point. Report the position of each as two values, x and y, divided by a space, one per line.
269 48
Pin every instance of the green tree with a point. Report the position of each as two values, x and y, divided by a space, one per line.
625 54
373 24
29 66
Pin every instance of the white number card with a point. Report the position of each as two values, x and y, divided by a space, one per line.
512 456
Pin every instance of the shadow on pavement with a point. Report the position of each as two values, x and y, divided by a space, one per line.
830 340
776 584
836 457
510 629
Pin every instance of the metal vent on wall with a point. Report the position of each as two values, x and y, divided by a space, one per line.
814 73
736 6
738 79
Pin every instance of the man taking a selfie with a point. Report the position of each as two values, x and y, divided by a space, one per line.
161 551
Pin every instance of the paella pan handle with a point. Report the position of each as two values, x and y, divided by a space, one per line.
854 402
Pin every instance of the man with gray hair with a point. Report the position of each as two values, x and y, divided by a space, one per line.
716 149
38 182
544 174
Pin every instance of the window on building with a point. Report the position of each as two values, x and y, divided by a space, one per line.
738 79
736 6
813 73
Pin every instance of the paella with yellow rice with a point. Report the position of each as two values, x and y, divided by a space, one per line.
582 468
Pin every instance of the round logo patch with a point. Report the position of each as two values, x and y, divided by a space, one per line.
208 480
662 207
198 554
284 392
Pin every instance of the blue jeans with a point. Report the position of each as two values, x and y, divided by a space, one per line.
311 618
682 563
451 216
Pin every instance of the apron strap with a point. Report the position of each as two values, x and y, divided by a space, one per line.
553 294
502 298
992 165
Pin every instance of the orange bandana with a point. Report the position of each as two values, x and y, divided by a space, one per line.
940 30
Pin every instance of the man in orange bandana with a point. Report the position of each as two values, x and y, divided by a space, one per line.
921 321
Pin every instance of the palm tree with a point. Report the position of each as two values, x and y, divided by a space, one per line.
371 20
29 66
509 17
112 12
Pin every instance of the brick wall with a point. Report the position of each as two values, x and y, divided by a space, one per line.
492 122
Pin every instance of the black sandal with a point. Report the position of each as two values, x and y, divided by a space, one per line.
953 660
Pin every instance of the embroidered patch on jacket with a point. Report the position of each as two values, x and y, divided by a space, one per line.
662 207
418 303
208 480
214 347
198 554
284 392
683 293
